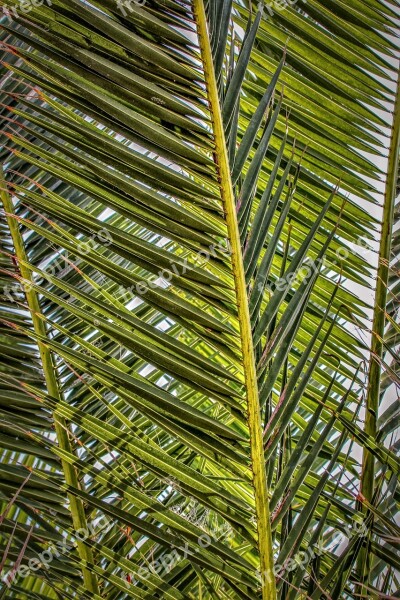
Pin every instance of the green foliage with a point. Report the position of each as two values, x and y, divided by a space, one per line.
124 400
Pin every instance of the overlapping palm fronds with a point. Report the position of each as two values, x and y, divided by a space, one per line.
186 188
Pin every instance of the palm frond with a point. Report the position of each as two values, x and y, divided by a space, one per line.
188 187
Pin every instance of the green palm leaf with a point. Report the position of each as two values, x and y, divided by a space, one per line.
186 188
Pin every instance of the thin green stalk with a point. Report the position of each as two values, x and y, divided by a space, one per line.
71 478
378 327
253 405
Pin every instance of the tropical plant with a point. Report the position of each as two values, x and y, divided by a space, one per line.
188 407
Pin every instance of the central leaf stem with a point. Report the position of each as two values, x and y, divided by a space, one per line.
253 406
60 425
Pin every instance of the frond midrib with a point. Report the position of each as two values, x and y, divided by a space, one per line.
263 524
